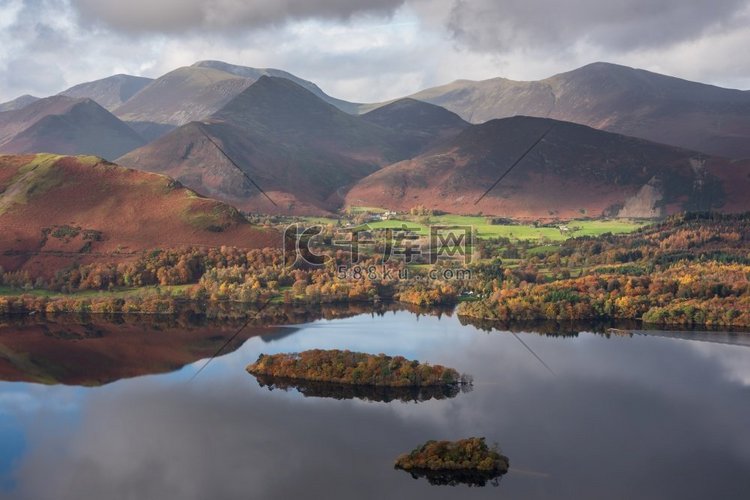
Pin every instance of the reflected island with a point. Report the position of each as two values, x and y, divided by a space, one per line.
466 461
380 394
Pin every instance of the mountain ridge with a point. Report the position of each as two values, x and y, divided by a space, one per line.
302 150
573 171
615 98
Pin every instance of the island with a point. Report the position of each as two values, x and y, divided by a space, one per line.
466 461
355 368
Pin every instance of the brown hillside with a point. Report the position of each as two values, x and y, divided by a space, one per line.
56 210
574 171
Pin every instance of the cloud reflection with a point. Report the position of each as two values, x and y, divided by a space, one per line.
634 417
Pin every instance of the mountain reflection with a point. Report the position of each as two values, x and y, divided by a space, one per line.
314 389
94 350
580 434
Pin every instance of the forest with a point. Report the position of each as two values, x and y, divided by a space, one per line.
464 454
355 368
691 269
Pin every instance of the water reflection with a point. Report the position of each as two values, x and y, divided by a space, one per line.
92 350
623 417
309 388
95 350
469 478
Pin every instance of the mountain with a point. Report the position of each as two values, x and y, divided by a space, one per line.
18 103
421 124
255 74
183 95
573 171
56 210
615 98
109 92
196 92
65 125
301 150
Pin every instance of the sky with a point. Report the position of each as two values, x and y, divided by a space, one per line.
370 50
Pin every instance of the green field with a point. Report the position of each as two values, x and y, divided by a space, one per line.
518 232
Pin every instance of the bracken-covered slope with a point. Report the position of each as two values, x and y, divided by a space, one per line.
59 209
66 125
574 171
301 150
616 98
109 92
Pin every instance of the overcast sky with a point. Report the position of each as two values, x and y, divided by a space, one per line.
369 50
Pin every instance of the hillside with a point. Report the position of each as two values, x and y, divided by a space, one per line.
615 98
574 171
66 125
420 124
56 210
301 150
109 92
18 103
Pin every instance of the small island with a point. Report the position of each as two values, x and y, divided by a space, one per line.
466 461
355 368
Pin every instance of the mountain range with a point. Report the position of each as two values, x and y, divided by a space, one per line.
303 151
625 142
573 171
615 98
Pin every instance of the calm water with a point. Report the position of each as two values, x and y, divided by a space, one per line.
620 417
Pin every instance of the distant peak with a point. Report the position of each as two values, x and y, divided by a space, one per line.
208 63
604 64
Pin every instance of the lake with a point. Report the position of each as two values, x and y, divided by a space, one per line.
130 409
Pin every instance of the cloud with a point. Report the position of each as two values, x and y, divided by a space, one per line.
368 50
177 16
43 49
501 26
